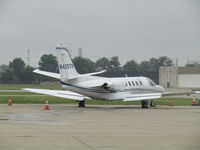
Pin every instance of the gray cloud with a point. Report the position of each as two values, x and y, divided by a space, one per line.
138 29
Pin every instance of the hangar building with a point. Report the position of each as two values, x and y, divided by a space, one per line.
179 77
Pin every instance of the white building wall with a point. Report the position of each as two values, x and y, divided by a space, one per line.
189 80
168 75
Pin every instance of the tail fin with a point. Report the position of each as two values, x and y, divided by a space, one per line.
65 64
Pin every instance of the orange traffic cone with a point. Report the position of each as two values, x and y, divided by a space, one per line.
171 103
194 103
9 101
46 106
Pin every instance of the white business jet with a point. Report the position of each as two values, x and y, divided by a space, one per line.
81 87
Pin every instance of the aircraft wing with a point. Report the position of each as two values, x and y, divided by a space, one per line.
59 93
179 93
57 75
49 74
138 97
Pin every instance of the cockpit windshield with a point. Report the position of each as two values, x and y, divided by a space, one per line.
151 82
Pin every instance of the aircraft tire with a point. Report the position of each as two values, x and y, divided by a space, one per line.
144 104
81 103
152 103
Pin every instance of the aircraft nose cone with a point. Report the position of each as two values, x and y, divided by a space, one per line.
161 89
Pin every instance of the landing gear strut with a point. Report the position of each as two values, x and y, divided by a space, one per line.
81 103
147 103
152 103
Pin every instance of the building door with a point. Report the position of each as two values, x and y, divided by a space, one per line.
168 84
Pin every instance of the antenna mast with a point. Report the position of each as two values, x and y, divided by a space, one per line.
28 57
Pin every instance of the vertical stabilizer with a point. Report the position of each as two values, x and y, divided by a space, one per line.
65 64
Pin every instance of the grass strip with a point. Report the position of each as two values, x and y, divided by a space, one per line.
21 86
18 93
56 100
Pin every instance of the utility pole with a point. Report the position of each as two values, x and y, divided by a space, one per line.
80 52
28 57
176 62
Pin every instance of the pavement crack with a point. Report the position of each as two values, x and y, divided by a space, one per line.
82 142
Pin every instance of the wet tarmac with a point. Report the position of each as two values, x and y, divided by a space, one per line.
28 126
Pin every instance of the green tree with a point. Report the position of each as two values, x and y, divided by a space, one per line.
143 68
114 62
131 68
48 63
114 69
165 61
7 77
28 75
151 68
102 63
17 68
4 67
83 65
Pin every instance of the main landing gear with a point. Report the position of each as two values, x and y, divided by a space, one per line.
147 103
81 103
144 103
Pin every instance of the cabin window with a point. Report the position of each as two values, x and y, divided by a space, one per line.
133 83
140 82
136 83
129 83
151 82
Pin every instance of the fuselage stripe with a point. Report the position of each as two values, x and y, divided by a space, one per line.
85 89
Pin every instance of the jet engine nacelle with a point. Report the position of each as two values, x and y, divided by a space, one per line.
114 86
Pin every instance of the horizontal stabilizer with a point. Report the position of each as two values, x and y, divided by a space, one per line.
49 74
59 93
138 97
57 75
88 74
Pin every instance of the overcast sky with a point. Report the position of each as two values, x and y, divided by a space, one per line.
129 29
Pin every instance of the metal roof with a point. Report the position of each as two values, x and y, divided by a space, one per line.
188 70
